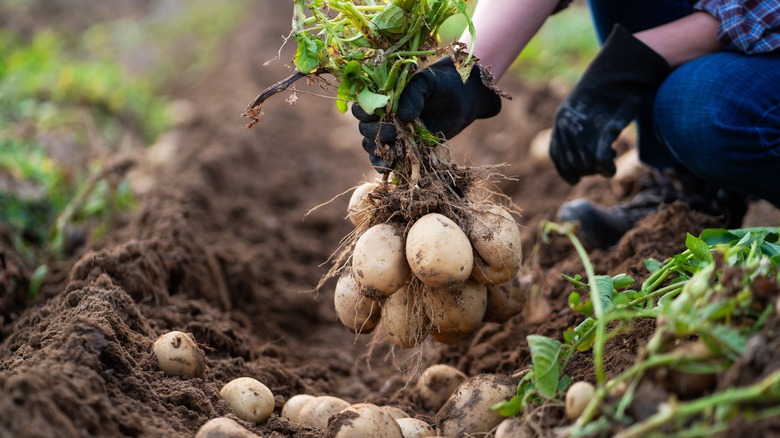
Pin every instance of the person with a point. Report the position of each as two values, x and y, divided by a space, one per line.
701 78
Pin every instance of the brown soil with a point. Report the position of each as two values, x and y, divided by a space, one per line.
222 247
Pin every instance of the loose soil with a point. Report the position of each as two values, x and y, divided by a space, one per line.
223 246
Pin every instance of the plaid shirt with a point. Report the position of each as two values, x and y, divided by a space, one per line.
749 26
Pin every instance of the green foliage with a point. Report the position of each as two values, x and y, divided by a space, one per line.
704 293
370 46
68 101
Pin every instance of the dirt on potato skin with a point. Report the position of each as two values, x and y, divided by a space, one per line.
222 247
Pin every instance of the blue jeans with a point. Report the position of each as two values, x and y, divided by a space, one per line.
717 116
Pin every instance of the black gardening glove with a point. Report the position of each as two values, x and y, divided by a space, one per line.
605 100
440 99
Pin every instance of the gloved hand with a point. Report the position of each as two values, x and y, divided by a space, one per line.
440 99
605 100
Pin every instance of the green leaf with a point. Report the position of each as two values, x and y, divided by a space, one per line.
652 265
581 335
698 247
348 87
392 19
622 281
606 289
576 304
370 101
544 358
307 57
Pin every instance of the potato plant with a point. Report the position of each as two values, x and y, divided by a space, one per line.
713 307
429 226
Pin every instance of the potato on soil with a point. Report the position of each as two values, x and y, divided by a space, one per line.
403 323
363 420
317 412
506 300
378 262
223 427
687 384
178 355
293 406
356 312
436 385
495 236
359 208
414 428
578 396
438 251
457 314
468 411
249 399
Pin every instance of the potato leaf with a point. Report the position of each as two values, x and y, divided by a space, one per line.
544 358
392 19
307 57
698 247
370 101
606 289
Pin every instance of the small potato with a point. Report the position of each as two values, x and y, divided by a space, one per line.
249 399
539 148
506 300
457 314
495 236
223 427
395 412
359 209
512 428
357 313
405 327
436 385
378 262
468 411
578 396
317 412
438 251
414 428
363 420
293 406
178 355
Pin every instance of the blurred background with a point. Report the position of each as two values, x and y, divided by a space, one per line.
84 84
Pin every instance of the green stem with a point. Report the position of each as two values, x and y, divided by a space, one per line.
685 410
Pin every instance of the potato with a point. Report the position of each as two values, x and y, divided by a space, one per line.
223 427
403 325
513 427
378 262
178 355
357 313
438 251
363 420
317 412
495 236
578 396
468 411
414 428
436 385
457 314
249 399
539 148
395 412
506 300
359 209
293 406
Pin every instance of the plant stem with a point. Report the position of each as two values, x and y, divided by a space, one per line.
684 410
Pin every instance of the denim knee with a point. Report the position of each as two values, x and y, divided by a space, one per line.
720 117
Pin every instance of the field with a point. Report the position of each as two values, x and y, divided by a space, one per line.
221 243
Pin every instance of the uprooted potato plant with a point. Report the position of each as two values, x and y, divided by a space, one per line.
432 240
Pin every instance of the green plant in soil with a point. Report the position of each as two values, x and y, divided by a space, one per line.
707 301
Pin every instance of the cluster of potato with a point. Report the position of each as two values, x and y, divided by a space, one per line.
463 405
433 278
